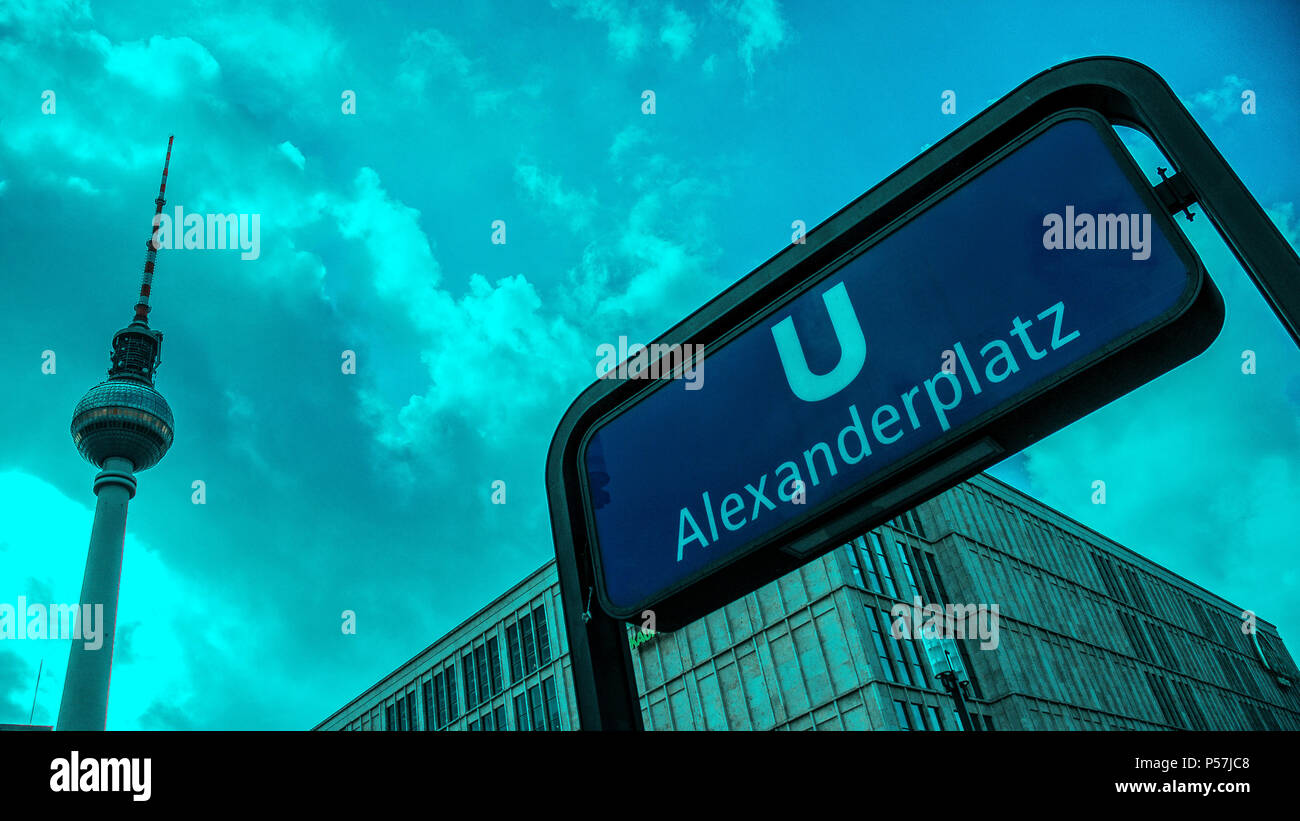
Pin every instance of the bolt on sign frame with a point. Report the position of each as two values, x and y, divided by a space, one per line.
1116 90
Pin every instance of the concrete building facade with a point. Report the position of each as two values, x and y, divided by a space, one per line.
1088 635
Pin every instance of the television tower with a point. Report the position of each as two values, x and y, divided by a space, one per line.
122 426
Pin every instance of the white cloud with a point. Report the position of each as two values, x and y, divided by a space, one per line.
83 185
430 56
629 138
404 267
164 67
1219 103
548 190
762 28
295 156
644 263
624 28
287 46
677 32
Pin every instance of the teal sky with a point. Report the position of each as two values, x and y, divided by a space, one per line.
371 492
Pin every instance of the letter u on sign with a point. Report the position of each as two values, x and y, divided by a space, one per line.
807 385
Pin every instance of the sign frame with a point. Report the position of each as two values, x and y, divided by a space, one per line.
1180 333
1122 92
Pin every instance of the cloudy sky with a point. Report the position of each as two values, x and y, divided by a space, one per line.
370 492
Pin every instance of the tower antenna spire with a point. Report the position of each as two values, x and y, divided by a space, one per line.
142 305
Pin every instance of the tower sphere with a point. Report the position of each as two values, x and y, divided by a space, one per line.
125 418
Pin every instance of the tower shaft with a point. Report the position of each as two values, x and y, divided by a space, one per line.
84 705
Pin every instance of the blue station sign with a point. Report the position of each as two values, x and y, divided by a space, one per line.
1029 270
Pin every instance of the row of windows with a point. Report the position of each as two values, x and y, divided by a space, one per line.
441 693
1153 646
528 646
1075 673
537 708
873 560
982 515
912 716
1165 696
480 668
910 521
1078 611
901 666
871 571
528 643
401 713
1059 551
1056 550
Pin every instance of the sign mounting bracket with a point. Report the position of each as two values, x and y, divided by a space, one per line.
1175 194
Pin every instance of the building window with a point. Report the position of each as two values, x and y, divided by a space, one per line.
530 648
881 652
411 719
900 711
929 590
471 680
907 567
896 655
1103 570
516 656
440 698
543 636
934 574
1160 689
917 721
1198 610
552 704
390 713
1134 631
483 679
485 723
494 665
1159 639
852 551
883 566
1139 592
430 717
401 714
521 713
1262 717
909 650
499 716
935 718
472 726
910 521
1190 707
444 696
1230 676
535 713
870 565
